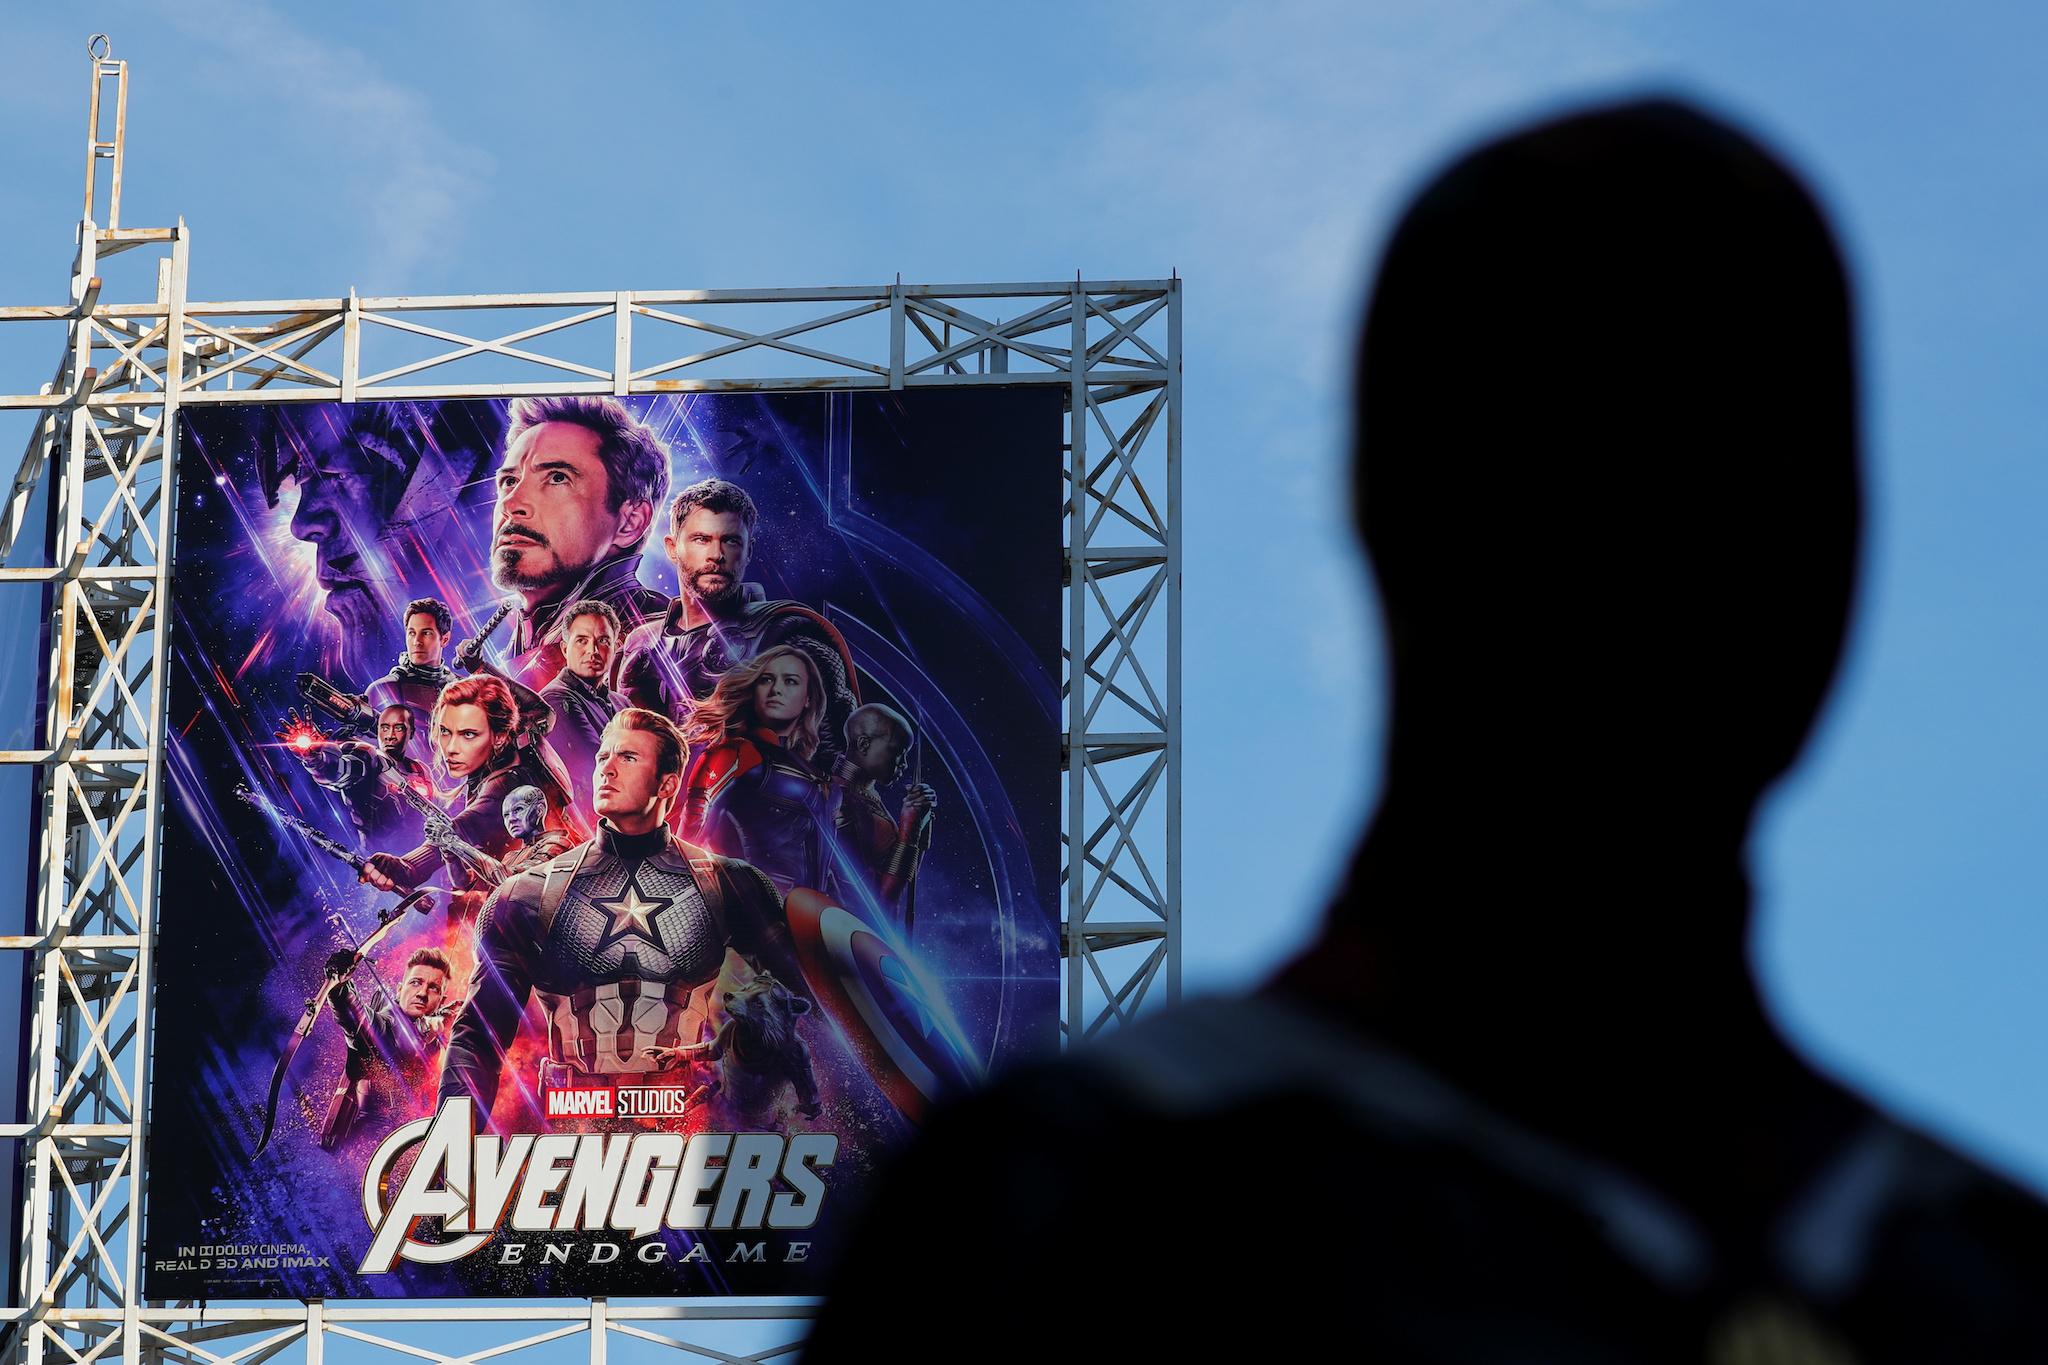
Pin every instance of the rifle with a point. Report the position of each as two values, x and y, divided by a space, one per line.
457 853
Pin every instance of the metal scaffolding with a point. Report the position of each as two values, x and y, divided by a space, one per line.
104 449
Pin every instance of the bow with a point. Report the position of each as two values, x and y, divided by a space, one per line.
317 1001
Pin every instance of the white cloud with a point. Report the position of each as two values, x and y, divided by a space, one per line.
408 176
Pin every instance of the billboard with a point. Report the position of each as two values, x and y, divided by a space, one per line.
598 829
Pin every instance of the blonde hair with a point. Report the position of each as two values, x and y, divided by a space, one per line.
729 710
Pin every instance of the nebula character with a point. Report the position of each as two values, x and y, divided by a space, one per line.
615 935
578 492
526 815
717 619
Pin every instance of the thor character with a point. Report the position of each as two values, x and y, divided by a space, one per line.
718 620
614 936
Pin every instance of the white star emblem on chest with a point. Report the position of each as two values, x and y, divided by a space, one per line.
632 915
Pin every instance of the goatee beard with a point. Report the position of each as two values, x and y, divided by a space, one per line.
505 571
723 598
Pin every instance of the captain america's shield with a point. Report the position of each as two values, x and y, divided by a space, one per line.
891 1014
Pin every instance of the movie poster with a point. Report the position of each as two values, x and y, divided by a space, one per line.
598 829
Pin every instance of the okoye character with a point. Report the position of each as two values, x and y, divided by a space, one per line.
615 935
578 492
887 848
751 790
386 1044
582 702
717 620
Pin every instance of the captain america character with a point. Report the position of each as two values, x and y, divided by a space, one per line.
616 935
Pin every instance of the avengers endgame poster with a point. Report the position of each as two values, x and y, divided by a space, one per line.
597 829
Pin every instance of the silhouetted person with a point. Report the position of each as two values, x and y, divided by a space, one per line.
1520 1101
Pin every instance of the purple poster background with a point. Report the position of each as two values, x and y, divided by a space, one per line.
920 528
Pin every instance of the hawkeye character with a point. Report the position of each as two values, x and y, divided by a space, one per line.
886 847
752 791
615 936
388 1048
718 621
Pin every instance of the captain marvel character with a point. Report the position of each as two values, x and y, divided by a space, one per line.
751 791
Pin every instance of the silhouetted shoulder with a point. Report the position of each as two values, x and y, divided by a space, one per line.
1205 1167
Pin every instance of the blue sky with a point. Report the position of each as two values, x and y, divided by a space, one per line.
1261 151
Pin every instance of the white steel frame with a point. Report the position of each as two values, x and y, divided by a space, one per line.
105 445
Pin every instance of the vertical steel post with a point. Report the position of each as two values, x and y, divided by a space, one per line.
1174 542
144 984
622 344
1076 938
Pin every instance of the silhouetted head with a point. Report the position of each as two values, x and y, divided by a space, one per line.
1607 469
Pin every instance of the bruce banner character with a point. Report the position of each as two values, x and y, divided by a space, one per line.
886 848
718 620
751 790
380 486
476 732
416 680
614 936
391 1052
578 493
582 702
